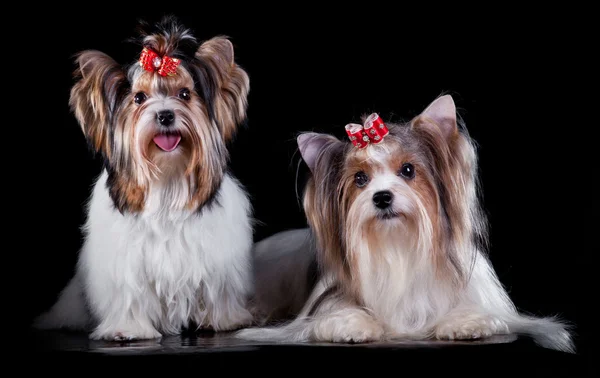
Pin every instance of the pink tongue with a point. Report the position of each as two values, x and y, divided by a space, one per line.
167 142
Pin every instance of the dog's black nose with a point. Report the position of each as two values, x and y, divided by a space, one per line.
383 199
166 117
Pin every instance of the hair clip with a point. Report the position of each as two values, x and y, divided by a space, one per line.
373 131
151 61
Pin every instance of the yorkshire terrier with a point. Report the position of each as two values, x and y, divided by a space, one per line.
169 233
399 235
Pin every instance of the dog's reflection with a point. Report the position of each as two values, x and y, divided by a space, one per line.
187 339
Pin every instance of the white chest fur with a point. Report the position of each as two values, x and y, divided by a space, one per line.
400 287
158 270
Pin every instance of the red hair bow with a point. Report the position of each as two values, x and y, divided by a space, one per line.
151 61
373 131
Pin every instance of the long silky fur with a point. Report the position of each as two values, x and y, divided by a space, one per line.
168 234
97 101
429 277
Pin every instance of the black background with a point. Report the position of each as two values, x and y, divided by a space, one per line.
507 71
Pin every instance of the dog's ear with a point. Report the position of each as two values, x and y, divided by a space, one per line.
441 113
231 82
100 84
311 145
220 48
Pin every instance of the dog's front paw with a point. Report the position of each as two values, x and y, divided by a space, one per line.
122 334
470 327
350 327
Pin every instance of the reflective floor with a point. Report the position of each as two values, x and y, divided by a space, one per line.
53 351
220 342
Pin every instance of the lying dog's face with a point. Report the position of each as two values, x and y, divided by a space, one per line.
388 185
412 192
167 117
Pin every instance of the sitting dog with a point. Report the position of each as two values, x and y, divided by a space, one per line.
398 233
169 233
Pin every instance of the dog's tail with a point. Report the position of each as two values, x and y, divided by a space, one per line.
69 311
547 332
296 331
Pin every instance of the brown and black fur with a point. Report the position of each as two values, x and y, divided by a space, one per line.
102 102
440 159
414 268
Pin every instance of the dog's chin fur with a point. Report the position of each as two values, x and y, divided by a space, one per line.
416 270
168 234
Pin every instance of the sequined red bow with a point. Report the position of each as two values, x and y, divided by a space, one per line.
373 131
164 66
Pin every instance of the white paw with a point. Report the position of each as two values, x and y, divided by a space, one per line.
470 327
124 335
350 327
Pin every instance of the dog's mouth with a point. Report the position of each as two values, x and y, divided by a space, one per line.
385 215
167 141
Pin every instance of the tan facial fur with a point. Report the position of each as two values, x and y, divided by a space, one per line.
437 209
122 131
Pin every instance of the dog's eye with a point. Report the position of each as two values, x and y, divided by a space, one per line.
140 97
361 179
407 171
184 94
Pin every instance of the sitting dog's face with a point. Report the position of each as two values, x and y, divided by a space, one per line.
166 118
413 191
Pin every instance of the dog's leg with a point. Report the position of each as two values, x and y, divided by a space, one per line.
347 325
338 319
465 323
123 313
225 236
124 326
226 309
339 322
328 316
488 310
